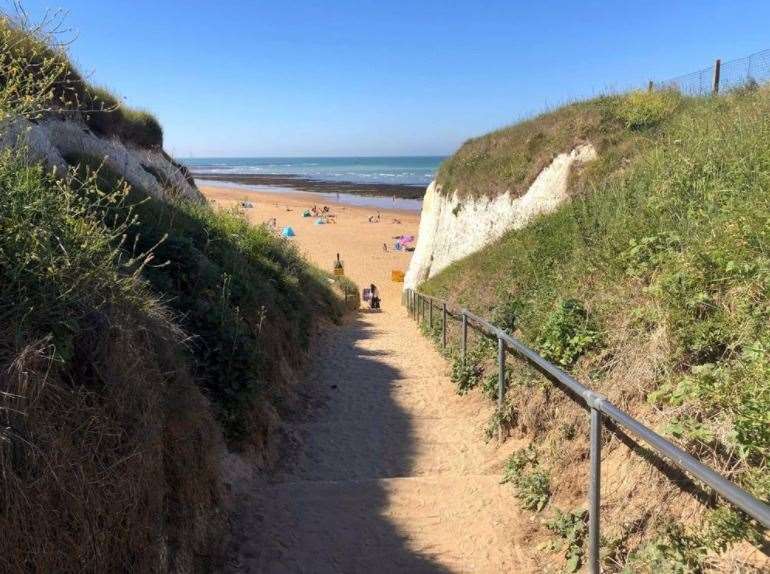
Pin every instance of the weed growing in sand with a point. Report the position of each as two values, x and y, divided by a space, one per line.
501 421
571 528
466 374
532 483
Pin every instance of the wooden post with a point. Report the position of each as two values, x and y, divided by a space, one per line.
465 335
717 71
430 314
650 86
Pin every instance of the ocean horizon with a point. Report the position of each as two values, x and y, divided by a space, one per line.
395 170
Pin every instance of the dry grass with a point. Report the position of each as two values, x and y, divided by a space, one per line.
97 455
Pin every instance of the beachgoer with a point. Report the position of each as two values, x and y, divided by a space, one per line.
385 247
374 303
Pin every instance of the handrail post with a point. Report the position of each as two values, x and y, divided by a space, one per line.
594 492
421 315
465 335
430 313
501 373
443 327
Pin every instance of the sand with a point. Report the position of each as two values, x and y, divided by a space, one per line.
358 242
387 469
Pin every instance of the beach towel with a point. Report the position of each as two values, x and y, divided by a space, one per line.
288 232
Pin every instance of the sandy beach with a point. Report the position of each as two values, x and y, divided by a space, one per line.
359 242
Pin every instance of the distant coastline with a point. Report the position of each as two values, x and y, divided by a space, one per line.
398 190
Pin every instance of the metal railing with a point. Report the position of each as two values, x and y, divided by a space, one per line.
599 407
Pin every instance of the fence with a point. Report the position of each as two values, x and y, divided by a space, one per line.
722 76
599 407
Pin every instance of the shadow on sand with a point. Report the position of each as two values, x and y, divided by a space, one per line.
328 510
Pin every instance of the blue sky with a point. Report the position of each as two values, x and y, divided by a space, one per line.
385 77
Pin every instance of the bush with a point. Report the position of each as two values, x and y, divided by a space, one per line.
466 374
638 110
506 313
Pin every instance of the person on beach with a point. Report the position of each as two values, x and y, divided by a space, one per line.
385 247
374 302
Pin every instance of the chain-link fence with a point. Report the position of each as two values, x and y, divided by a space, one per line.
723 76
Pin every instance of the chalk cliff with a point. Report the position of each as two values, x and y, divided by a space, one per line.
454 226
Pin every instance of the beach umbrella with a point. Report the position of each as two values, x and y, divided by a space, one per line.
288 232
306 213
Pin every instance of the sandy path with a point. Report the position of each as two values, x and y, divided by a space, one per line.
390 472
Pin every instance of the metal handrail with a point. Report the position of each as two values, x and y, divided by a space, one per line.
598 405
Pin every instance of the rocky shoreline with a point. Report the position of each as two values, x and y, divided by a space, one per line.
304 184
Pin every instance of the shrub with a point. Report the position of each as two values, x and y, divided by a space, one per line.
506 313
641 109
567 333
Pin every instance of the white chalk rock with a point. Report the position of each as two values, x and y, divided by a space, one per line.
452 227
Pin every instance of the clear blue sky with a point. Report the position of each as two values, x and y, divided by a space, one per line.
384 77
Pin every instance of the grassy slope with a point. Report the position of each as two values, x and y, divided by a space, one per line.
121 313
653 286
133 334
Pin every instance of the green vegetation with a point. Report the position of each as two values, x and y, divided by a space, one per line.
511 158
652 285
532 483
572 529
245 295
100 419
129 327
31 64
567 333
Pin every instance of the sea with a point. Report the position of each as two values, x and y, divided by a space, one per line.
405 170
410 170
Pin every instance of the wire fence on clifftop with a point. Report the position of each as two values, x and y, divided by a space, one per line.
722 76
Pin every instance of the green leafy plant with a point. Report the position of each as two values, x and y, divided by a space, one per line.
572 528
532 484
467 374
567 333
506 313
